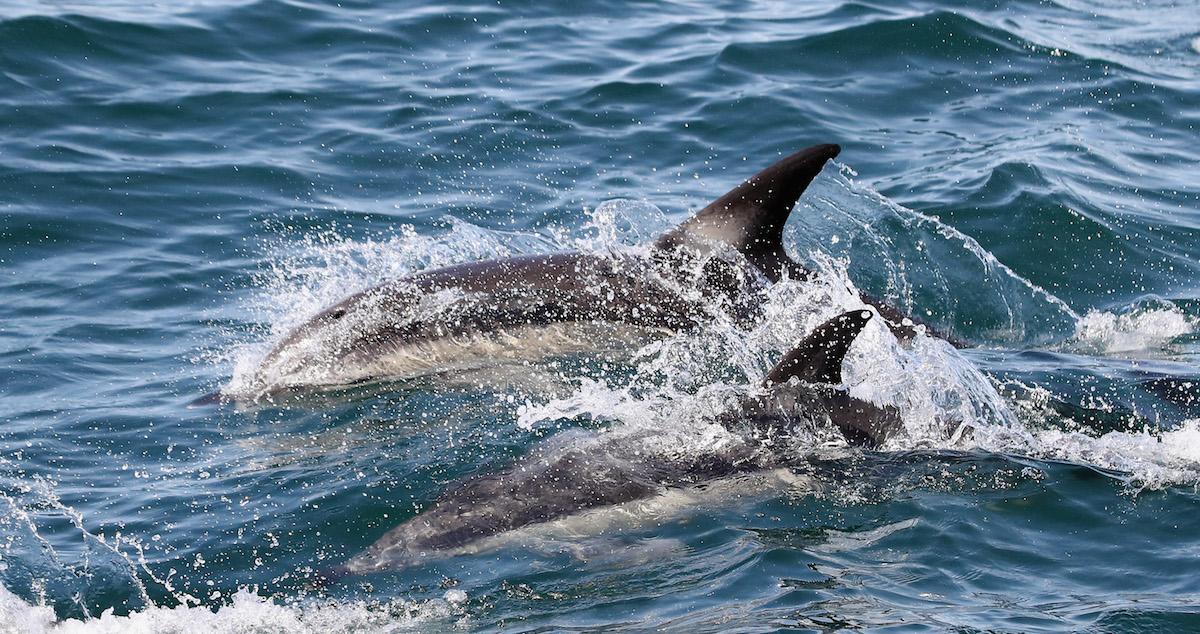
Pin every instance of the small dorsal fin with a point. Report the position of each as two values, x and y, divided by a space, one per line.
818 359
752 215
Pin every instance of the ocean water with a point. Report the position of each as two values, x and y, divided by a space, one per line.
183 182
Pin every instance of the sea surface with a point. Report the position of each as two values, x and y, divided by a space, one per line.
183 182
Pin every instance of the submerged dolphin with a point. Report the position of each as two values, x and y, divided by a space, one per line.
537 305
558 480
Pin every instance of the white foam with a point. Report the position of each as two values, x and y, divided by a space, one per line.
1145 459
244 612
1139 332
682 382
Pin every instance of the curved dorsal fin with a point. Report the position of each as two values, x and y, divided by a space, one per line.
751 216
818 359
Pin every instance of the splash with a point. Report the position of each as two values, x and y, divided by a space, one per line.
318 270
306 276
930 267
47 545
682 383
678 384
245 611
1143 330
1146 459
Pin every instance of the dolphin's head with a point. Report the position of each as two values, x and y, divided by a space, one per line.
323 351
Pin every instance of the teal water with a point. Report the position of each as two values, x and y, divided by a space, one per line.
181 183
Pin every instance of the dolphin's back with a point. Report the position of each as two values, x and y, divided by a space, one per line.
536 289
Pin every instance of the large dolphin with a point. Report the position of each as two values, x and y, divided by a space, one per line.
536 305
558 480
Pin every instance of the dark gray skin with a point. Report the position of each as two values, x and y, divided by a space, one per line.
560 479
729 251
528 290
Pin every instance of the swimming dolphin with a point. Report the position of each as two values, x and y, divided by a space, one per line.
562 479
532 306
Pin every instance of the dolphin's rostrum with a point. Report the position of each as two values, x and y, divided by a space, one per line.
536 305
560 479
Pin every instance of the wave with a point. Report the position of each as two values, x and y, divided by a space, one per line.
245 611
1144 330
936 34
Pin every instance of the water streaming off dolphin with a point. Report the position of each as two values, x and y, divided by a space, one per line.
185 186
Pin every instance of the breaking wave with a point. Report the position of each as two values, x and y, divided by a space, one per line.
246 612
1147 329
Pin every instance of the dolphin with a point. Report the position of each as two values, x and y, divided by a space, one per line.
533 306
563 479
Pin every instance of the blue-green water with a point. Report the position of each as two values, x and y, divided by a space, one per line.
181 183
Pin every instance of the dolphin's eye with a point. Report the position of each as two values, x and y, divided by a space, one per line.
338 314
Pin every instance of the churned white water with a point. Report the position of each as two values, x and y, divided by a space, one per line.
246 612
1142 331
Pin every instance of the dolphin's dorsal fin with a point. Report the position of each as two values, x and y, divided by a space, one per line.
818 359
751 217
